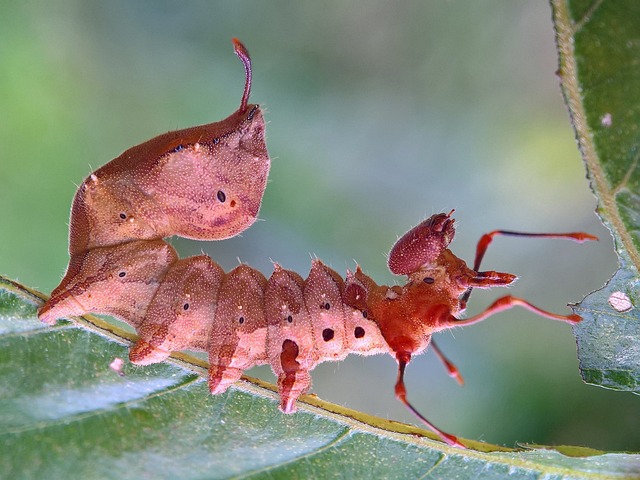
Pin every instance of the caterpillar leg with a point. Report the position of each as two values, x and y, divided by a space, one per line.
143 353
294 380
487 238
507 302
452 370
222 377
401 394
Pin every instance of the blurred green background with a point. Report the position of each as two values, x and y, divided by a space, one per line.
380 114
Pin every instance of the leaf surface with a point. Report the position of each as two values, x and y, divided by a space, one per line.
599 47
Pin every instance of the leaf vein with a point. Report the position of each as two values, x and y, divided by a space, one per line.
580 24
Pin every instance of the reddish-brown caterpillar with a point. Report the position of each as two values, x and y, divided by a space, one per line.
207 182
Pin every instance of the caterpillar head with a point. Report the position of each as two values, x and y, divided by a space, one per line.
422 245
408 315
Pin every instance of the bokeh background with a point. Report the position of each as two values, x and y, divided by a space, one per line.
380 114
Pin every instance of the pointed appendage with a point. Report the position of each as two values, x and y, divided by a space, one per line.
487 238
452 370
401 394
243 54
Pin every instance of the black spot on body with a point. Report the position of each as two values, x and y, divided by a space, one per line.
241 320
185 306
327 334
428 280
221 196
122 274
358 332
123 216
290 319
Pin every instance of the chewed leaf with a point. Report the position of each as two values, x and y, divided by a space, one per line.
599 47
66 413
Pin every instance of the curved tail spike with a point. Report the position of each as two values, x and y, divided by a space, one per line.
243 54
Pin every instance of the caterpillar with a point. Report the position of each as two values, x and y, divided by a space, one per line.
207 182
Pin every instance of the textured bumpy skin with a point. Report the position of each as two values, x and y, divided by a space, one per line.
130 273
203 182
419 246
207 183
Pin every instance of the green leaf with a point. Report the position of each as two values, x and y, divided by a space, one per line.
599 46
64 413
